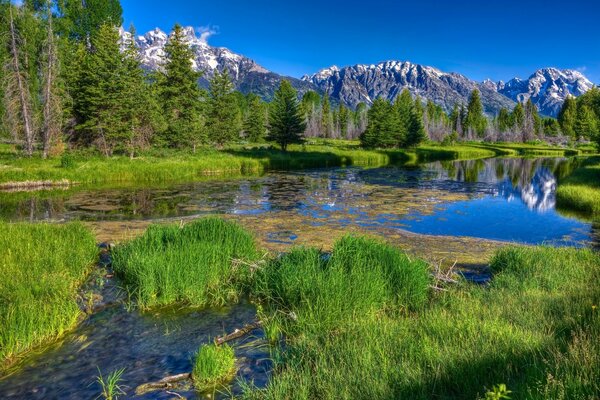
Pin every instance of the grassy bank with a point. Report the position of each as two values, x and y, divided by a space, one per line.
359 335
42 267
192 264
581 190
169 166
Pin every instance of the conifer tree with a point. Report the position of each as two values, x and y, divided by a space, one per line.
344 119
586 124
99 103
82 19
568 116
255 125
326 117
503 120
180 95
403 108
286 120
416 131
475 120
518 117
384 127
223 119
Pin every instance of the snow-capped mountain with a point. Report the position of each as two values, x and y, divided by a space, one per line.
247 75
547 88
365 83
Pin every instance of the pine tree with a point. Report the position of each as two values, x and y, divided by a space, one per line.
586 125
223 120
255 125
384 127
80 20
326 118
403 108
416 131
518 117
568 116
344 119
99 103
286 120
475 120
180 95
503 120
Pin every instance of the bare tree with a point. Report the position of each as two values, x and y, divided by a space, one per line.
17 97
52 112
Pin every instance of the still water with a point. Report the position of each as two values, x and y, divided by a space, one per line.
502 199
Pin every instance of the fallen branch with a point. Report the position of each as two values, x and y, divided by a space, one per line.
29 185
238 333
165 383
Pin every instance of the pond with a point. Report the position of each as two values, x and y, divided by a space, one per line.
439 206
511 199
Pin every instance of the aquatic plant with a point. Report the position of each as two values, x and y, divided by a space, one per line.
42 266
111 390
191 264
213 365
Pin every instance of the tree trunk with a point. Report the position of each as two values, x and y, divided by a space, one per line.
49 114
22 88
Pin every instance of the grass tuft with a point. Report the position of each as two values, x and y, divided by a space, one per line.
189 264
214 365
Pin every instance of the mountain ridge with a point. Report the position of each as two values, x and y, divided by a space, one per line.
350 85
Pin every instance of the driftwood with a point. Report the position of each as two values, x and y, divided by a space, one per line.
165 383
35 185
238 333
169 382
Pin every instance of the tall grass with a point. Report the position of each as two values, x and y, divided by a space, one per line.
213 365
534 329
581 190
41 268
191 264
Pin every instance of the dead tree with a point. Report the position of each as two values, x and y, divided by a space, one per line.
51 99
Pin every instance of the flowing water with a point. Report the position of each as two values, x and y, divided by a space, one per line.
507 200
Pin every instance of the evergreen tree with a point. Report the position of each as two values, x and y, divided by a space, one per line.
344 119
286 120
586 124
384 127
180 94
403 108
518 117
255 125
551 127
80 20
568 116
504 120
326 117
100 103
416 131
475 120
223 118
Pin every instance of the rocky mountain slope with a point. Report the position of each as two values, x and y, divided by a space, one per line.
364 83
246 74
547 88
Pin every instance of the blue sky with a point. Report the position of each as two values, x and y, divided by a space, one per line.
481 39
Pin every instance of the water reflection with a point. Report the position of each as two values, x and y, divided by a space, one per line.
493 198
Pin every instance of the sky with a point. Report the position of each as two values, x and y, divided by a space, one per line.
483 39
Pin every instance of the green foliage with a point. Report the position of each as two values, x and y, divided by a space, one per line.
190 264
326 118
67 161
568 116
415 132
586 125
44 265
223 119
475 120
498 392
111 390
581 190
286 120
213 365
384 129
255 124
80 20
180 95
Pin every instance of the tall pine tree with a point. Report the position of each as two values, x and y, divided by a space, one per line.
255 124
223 118
286 119
180 95
568 116
475 121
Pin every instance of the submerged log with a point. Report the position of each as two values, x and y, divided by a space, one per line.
238 333
165 383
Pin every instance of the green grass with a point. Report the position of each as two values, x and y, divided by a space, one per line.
213 365
158 166
190 264
533 329
42 266
581 190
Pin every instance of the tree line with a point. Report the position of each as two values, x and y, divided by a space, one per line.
71 79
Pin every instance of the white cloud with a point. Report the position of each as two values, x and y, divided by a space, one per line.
205 32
